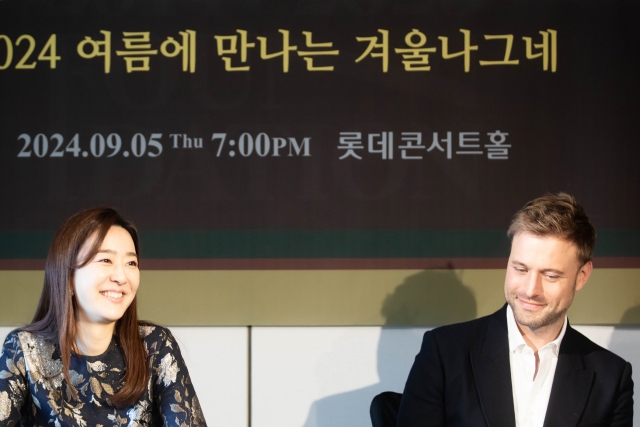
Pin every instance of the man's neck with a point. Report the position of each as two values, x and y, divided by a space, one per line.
539 337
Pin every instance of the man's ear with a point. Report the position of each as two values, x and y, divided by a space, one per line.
583 275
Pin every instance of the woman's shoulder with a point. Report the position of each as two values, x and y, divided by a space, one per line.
26 340
33 351
149 330
155 336
11 343
11 337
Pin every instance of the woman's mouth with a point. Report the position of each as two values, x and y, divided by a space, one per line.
112 295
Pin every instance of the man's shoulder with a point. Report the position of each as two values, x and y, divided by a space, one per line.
469 333
593 355
469 326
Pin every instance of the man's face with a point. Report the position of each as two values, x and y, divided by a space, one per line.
543 274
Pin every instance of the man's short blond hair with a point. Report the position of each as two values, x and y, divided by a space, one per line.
558 215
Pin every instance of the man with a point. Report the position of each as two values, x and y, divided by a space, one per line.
524 365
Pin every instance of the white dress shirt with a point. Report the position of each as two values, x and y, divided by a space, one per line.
531 396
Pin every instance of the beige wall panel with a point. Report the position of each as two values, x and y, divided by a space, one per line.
334 297
611 296
20 292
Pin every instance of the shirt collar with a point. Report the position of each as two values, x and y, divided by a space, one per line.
517 341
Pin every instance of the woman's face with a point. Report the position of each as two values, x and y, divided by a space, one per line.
106 286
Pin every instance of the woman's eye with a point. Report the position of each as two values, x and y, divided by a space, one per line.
133 263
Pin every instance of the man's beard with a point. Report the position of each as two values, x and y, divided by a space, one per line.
536 320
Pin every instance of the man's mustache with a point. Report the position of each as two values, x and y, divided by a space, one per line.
534 300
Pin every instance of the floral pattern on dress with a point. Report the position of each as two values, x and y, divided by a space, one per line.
34 392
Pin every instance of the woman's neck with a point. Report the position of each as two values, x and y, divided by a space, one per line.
93 339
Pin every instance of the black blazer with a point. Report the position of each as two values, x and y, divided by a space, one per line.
462 377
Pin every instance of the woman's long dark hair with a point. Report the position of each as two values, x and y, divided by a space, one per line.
55 318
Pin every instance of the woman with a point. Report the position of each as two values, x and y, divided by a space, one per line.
86 360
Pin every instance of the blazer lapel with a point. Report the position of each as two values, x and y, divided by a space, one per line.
571 386
492 374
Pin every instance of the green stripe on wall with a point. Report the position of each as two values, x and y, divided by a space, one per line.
320 244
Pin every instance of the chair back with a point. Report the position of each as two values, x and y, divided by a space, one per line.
384 409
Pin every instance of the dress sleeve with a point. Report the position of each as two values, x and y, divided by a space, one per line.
173 391
13 381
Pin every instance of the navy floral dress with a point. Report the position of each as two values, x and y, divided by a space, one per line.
34 392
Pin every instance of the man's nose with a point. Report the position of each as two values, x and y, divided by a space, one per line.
533 285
